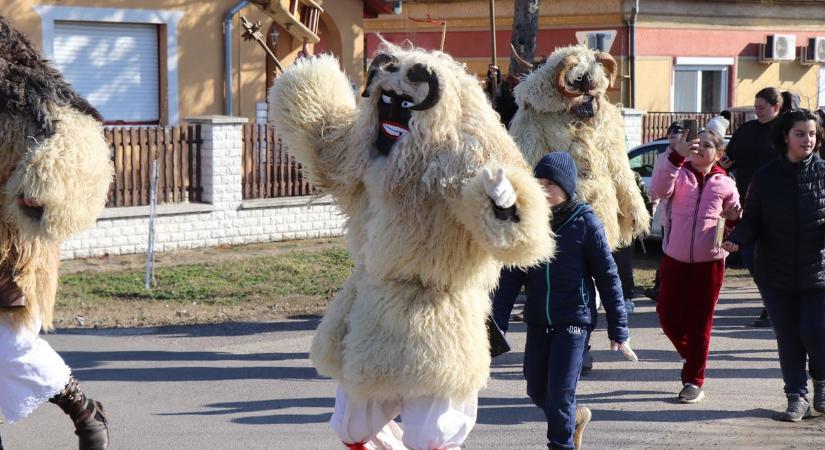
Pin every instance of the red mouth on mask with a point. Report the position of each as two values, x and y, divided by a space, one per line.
393 130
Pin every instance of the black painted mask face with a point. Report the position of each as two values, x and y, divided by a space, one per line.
393 120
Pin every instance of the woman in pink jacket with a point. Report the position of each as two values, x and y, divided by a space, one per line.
693 266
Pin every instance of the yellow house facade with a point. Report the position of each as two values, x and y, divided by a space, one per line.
692 56
158 62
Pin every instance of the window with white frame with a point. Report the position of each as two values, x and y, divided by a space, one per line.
700 84
112 65
821 99
124 61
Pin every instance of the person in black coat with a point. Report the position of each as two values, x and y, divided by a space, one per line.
785 218
748 150
558 307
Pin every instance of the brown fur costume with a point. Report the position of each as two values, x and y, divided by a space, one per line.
562 107
427 247
54 173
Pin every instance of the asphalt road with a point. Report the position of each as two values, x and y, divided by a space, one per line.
251 386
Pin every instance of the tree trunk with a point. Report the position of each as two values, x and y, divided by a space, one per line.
525 26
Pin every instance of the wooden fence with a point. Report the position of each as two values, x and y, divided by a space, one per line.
268 170
655 124
178 153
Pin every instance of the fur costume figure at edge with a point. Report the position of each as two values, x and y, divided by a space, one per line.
562 107
438 199
54 173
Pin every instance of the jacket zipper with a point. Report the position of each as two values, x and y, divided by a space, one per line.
696 212
573 215
796 179
547 298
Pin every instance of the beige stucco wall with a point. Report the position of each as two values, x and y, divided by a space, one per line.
474 14
201 53
753 76
653 82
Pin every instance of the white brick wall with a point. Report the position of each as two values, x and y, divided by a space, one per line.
632 127
224 219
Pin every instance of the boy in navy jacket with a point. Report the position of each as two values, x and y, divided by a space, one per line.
557 311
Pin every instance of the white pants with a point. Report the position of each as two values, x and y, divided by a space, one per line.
429 422
31 372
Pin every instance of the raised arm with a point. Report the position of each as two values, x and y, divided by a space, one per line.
312 106
665 172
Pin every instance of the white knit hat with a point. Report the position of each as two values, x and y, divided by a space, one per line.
719 125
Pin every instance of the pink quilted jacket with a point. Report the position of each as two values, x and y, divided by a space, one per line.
696 203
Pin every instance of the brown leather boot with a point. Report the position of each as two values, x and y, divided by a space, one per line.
91 426
583 416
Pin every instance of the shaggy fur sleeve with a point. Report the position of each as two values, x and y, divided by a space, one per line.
634 218
521 243
312 106
68 173
525 130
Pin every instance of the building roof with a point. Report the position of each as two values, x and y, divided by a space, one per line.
372 8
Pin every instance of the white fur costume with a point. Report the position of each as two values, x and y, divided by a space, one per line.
54 176
548 119
409 322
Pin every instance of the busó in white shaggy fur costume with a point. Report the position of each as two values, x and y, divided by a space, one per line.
437 198
54 173
562 107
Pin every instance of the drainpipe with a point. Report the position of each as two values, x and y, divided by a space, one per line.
227 46
634 13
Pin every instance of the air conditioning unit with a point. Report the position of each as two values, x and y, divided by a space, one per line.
814 52
778 48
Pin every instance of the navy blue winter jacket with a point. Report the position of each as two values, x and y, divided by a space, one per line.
559 292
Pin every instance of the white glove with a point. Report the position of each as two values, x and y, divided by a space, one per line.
498 188
626 350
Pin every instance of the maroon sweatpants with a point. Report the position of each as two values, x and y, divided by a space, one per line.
687 297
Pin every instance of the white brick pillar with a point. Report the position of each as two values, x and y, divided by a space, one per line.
632 127
221 159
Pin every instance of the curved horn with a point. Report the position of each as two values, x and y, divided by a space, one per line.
609 65
422 73
519 60
559 81
382 61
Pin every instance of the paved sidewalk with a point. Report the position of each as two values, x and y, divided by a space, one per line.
250 386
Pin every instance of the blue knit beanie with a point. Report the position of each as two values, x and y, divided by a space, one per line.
559 168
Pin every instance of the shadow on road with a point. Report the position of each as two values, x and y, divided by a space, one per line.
87 360
190 373
673 374
515 411
207 330
686 414
259 406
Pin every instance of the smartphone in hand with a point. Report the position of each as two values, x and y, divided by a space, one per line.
691 127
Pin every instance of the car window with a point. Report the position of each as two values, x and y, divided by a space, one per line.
643 160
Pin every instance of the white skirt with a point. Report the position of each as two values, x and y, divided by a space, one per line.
31 372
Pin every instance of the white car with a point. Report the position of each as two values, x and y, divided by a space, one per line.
642 160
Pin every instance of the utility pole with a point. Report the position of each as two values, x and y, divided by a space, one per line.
525 27
493 71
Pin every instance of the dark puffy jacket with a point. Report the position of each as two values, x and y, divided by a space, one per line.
750 148
582 253
785 216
